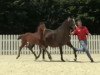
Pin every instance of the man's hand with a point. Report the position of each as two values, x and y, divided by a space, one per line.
89 34
72 32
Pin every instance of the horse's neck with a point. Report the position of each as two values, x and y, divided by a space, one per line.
63 29
38 31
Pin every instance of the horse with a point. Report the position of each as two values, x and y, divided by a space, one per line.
30 39
59 37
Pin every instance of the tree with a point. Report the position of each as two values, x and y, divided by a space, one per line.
20 16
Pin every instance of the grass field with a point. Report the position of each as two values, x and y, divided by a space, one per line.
26 65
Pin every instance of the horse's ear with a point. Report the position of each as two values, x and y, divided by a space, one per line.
41 23
73 20
69 18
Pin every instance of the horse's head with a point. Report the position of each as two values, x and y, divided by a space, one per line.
71 21
41 27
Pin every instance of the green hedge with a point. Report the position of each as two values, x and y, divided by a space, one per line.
20 16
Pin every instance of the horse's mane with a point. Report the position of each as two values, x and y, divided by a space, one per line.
41 24
64 24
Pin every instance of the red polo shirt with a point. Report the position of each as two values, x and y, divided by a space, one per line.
81 32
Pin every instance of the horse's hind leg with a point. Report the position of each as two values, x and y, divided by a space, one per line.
30 48
33 53
43 56
49 55
44 51
39 53
19 51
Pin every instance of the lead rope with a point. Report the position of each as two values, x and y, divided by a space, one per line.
74 22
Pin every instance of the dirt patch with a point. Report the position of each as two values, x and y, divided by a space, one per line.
26 65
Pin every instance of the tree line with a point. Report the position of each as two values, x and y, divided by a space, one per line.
21 16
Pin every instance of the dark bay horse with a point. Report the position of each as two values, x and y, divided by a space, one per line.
59 37
30 39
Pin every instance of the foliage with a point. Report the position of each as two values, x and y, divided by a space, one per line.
20 16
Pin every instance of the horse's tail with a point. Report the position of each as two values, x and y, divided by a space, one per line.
20 37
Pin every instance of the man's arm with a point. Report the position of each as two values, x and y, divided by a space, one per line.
87 31
73 32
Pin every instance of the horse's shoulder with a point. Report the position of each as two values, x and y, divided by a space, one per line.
48 30
29 33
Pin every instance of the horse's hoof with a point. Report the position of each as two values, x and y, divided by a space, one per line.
63 60
44 60
36 58
50 58
92 61
16 57
75 59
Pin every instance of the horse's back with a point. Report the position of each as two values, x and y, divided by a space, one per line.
30 37
55 38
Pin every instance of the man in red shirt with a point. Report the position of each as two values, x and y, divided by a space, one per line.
81 32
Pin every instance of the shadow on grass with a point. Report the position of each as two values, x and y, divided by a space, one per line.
85 61
48 61
67 61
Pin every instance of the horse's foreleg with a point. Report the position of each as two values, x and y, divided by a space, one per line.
33 53
49 55
39 53
61 52
75 54
43 54
71 46
19 51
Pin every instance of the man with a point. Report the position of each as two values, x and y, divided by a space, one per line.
81 32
